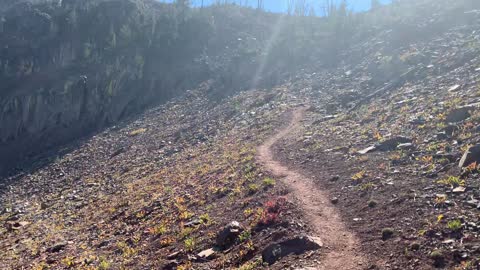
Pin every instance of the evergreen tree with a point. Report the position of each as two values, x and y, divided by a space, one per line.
182 6
375 4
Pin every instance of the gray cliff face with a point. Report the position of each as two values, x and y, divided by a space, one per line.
71 67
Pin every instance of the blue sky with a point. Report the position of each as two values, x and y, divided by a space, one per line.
281 5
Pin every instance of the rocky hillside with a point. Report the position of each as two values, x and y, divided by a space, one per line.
71 67
390 134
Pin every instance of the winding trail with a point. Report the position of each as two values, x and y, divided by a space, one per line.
342 246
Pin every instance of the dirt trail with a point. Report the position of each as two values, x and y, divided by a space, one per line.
341 246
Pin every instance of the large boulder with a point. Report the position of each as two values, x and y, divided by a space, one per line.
458 114
297 245
471 155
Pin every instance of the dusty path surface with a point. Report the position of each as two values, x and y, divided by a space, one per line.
341 246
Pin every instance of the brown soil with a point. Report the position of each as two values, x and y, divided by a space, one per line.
341 245
134 196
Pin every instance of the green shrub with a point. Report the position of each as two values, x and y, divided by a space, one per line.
268 182
252 188
189 244
454 225
245 235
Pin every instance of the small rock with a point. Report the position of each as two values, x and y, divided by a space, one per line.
324 119
471 155
472 202
450 130
391 144
448 241
170 265
387 233
334 200
173 255
449 203
193 223
367 150
44 205
13 225
57 247
472 226
438 258
372 203
441 136
415 246
206 254
458 115
405 146
104 243
229 234
334 178
459 189
417 121
454 88
117 152
441 196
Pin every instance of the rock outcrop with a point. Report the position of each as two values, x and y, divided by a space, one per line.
70 67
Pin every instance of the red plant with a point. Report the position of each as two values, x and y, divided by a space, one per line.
272 210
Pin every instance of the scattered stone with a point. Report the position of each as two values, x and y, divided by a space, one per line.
104 243
405 146
44 205
171 265
387 233
458 115
334 200
193 223
297 245
57 247
335 178
459 189
454 88
438 258
391 144
448 241
450 130
441 196
367 150
471 155
324 119
229 234
117 152
206 254
472 225
417 121
415 246
473 203
50 260
13 225
173 255
449 203
441 136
